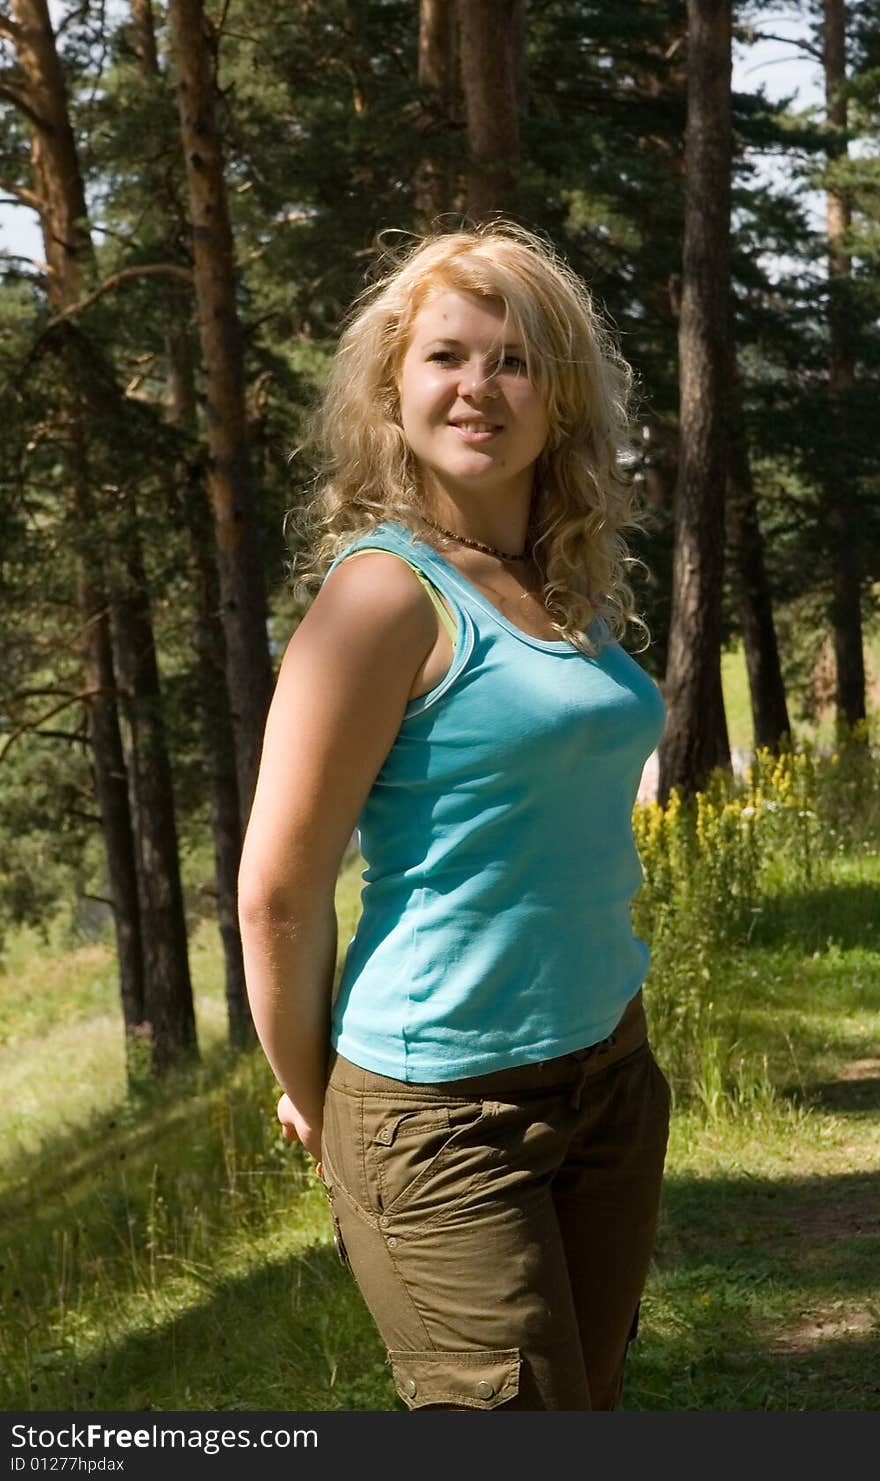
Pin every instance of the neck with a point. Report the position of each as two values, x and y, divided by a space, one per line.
504 528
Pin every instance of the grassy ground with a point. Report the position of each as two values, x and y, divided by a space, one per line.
174 1254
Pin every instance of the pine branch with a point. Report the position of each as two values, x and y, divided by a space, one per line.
53 693
798 42
10 28
218 25
62 735
149 270
13 94
16 273
31 726
22 194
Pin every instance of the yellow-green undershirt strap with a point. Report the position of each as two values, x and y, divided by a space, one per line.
434 596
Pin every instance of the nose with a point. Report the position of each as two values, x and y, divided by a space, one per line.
478 381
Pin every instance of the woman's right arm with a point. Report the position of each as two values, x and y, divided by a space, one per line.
338 705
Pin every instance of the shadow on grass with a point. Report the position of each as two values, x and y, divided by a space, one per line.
144 1127
292 1335
141 1213
737 1360
855 1094
810 1234
763 1296
846 912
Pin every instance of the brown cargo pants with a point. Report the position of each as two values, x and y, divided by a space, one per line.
500 1227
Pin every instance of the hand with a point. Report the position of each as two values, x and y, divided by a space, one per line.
295 1129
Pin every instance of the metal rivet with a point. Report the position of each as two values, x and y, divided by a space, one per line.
384 1221
484 1390
411 1387
392 1242
385 1136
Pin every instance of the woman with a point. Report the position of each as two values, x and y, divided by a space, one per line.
489 1119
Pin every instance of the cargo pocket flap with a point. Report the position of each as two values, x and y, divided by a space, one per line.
472 1380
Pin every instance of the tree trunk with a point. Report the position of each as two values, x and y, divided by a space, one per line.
242 588
111 788
66 240
696 732
517 58
841 502
490 31
145 36
766 688
162 988
217 734
220 750
68 251
434 183
169 1002
218 739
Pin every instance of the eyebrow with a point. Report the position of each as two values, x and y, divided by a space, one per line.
456 344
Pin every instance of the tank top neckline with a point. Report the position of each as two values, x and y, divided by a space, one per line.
560 646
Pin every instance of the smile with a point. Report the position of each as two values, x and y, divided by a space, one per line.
476 431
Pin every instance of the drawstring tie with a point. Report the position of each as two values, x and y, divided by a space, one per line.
583 1057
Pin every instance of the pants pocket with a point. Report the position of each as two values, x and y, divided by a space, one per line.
407 1147
456 1380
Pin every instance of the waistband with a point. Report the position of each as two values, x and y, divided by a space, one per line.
567 1071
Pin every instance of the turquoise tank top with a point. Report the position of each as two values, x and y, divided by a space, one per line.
495 926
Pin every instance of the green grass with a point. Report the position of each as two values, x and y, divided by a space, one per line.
173 1253
737 705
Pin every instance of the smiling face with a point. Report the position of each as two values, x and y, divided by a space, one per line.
469 412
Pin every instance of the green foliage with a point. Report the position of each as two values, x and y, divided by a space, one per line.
716 865
43 841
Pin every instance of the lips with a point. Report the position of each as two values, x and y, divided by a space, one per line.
475 429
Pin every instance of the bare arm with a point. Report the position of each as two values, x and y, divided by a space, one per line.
337 707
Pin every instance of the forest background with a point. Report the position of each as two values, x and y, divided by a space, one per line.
212 189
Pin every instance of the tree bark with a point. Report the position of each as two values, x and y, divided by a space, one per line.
766 687
68 251
491 38
695 740
218 739
434 183
242 588
163 986
145 36
841 502
169 1002
111 787
217 733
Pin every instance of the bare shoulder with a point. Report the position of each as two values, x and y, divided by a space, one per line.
338 704
371 601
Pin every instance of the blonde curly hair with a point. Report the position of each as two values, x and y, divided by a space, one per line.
584 495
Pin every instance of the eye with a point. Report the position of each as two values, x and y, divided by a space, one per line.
442 357
514 363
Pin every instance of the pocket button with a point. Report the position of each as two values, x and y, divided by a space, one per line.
485 1390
